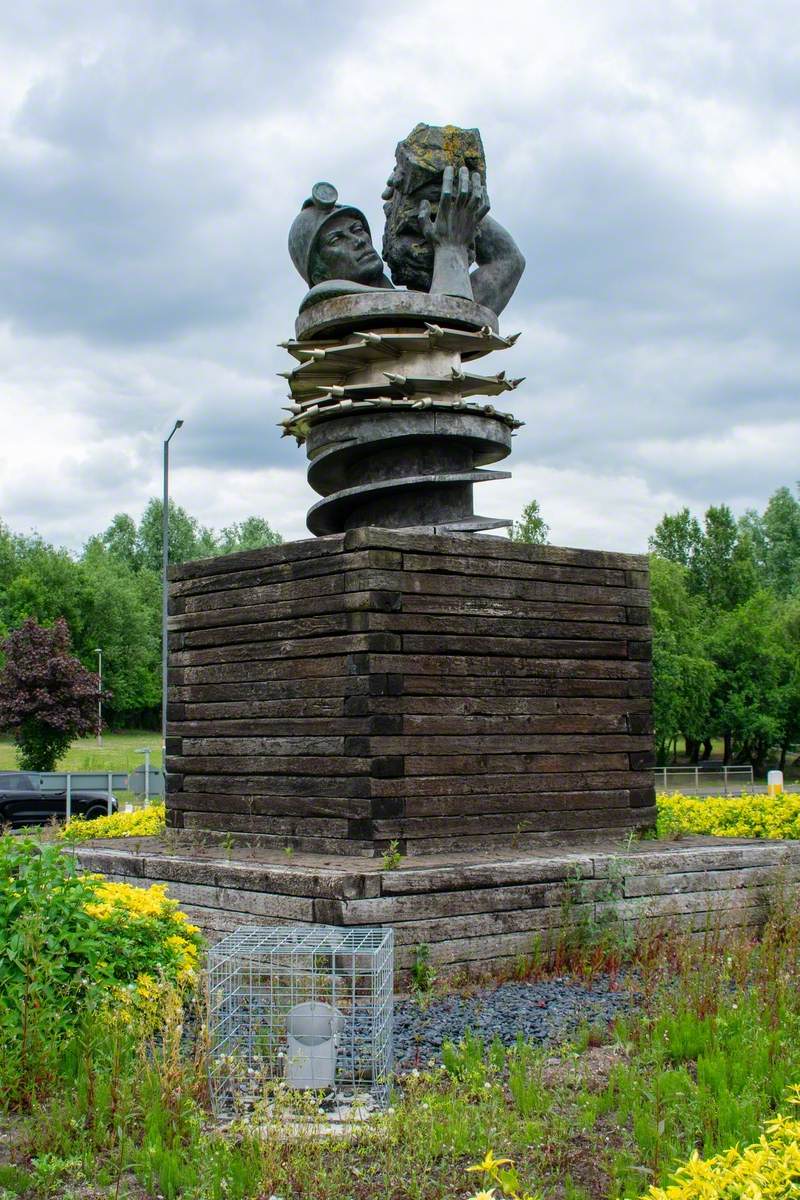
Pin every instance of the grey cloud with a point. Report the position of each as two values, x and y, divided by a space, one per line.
239 435
121 227
154 166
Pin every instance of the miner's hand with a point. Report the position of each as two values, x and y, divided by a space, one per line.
462 207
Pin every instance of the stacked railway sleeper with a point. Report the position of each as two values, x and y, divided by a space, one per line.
474 910
447 693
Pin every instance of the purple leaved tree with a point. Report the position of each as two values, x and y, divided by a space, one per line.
47 697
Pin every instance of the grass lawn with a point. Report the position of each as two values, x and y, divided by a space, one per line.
118 752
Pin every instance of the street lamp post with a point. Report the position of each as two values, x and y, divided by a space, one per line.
164 564
99 654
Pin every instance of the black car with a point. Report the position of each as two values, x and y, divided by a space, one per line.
24 801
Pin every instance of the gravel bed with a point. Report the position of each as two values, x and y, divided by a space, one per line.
549 1010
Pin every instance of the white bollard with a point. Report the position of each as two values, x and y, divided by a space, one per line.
775 783
313 1031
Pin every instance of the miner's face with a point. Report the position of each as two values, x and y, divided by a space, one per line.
344 250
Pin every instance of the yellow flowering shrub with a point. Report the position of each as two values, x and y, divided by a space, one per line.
767 1170
72 945
142 822
750 816
158 946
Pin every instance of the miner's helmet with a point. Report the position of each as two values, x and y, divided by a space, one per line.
317 210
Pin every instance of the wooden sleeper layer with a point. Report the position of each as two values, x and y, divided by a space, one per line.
445 692
474 910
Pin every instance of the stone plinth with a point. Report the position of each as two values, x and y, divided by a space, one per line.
476 910
449 693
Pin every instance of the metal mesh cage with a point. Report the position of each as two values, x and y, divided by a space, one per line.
309 1005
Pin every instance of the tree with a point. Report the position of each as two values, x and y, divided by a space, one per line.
251 534
140 548
45 584
121 539
683 674
781 526
47 697
720 556
723 569
787 632
110 596
751 668
187 537
122 613
677 538
532 527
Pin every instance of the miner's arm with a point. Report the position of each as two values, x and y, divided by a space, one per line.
500 266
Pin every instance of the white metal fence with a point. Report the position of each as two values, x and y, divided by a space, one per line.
704 780
146 783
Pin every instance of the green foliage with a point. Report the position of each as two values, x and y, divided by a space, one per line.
423 974
250 534
719 557
39 747
110 595
187 537
723 569
701 1066
69 946
684 675
775 537
712 1059
531 527
392 857
468 1062
726 617
677 537
752 667
526 1078
52 960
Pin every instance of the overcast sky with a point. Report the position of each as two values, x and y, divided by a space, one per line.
645 155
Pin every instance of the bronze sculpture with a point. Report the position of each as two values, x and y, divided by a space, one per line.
437 226
381 397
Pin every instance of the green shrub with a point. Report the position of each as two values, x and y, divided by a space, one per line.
75 947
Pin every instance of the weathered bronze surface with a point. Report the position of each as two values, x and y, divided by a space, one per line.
329 317
437 227
394 432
